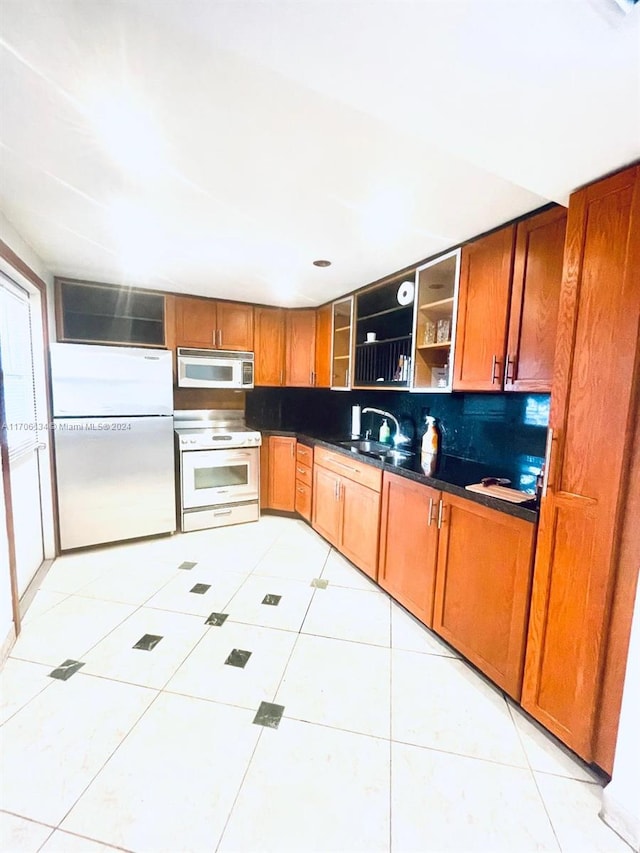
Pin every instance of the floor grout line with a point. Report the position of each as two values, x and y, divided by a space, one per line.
278 541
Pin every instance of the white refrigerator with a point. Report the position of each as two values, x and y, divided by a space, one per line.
113 439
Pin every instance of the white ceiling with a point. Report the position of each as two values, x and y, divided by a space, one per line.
218 147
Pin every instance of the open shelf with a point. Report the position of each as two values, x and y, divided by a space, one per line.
442 345
386 311
385 341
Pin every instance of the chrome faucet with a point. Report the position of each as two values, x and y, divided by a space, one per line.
398 436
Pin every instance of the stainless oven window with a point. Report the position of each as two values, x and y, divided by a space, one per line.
219 477
209 372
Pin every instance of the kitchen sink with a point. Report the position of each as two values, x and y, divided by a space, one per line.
378 450
365 446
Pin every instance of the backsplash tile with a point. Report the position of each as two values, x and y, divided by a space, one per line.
495 429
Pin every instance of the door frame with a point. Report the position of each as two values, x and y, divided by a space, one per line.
22 275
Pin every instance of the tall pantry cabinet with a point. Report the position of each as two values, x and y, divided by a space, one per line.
593 421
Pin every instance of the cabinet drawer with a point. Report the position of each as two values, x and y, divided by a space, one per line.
303 499
304 474
304 454
349 467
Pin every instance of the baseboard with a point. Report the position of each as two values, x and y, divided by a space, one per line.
7 644
625 824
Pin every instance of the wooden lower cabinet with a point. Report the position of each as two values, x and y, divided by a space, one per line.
483 585
327 511
360 519
304 480
409 544
347 513
282 473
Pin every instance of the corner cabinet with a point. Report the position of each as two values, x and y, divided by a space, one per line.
300 348
106 314
269 346
281 490
436 299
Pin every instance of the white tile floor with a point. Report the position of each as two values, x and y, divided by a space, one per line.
388 740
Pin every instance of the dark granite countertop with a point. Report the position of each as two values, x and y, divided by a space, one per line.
451 475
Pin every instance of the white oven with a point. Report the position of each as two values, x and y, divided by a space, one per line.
212 477
219 469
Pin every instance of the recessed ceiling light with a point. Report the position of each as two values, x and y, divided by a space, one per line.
322 263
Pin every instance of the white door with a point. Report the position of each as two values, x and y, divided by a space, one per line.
26 438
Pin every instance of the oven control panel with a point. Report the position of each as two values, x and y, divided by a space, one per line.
206 439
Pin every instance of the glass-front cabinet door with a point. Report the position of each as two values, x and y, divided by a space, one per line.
436 302
341 344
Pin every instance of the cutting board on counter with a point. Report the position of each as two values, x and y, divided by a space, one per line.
502 492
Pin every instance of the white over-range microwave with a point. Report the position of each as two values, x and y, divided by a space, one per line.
205 368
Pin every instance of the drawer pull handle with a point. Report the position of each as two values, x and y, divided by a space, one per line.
348 467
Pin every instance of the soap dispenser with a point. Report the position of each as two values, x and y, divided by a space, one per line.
385 432
430 446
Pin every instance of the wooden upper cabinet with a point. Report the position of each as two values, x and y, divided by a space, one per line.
407 564
593 420
209 324
269 346
282 472
535 296
323 346
482 587
195 322
235 326
300 359
483 310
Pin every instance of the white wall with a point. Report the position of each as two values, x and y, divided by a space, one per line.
621 799
10 236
